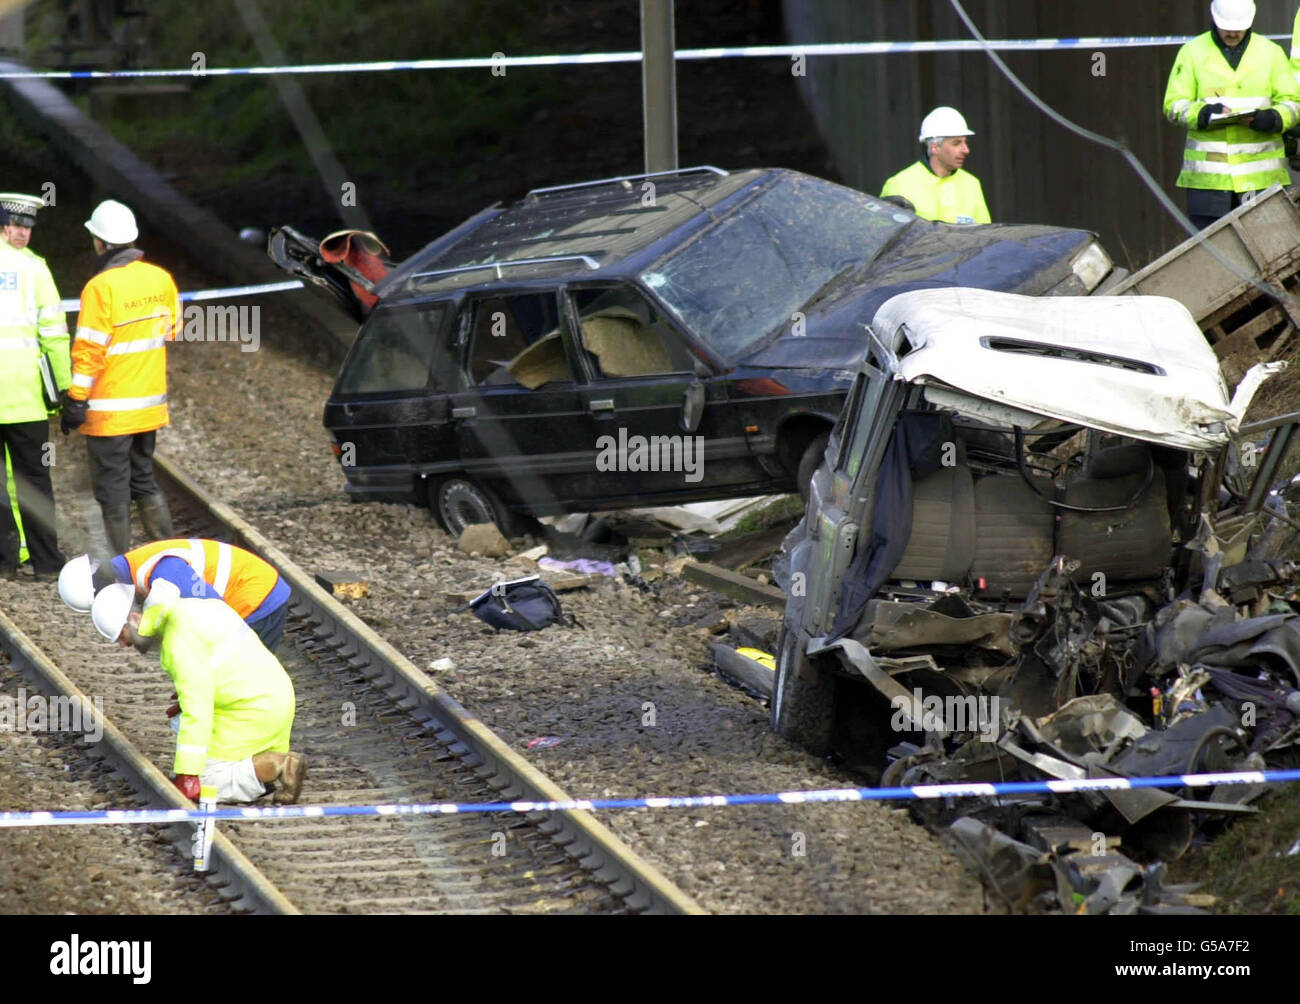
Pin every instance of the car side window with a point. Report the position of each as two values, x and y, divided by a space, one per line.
394 351
621 334
516 340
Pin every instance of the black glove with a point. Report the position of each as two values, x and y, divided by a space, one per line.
1203 119
73 413
1266 120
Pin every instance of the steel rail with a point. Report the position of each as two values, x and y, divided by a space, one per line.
240 880
639 885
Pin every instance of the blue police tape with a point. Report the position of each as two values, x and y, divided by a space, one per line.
68 306
961 790
591 58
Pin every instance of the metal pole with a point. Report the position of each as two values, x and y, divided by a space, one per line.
659 85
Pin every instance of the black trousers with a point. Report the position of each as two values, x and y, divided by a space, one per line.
121 467
27 444
1205 206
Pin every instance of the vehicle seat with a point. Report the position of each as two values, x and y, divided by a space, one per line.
942 544
623 343
1014 527
1133 543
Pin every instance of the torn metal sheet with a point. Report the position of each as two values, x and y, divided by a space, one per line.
1097 723
887 627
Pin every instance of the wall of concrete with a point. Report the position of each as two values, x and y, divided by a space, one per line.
1033 171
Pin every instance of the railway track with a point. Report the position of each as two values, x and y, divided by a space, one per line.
375 730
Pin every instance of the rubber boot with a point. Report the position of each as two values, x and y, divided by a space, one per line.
117 526
155 516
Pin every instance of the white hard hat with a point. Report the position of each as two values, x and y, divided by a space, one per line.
161 591
113 223
942 123
77 583
1233 15
111 609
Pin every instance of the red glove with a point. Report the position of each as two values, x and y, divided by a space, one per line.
173 709
188 785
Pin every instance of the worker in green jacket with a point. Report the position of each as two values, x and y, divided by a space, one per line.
1292 135
32 327
235 701
1225 72
936 185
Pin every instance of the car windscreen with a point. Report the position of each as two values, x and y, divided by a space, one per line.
748 274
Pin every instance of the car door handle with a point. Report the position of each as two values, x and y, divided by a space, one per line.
601 404
463 412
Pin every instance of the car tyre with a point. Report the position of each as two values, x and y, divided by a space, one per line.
809 462
803 697
460 502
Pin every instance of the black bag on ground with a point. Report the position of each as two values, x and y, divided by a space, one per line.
520 605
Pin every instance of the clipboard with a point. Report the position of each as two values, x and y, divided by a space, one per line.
49 389
1223 121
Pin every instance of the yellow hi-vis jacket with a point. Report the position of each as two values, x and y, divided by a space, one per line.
1295 49
119 359
236 699
31 326
243 579
958 198
1235 158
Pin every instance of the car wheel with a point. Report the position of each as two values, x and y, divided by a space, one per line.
809 462
459 502
803 697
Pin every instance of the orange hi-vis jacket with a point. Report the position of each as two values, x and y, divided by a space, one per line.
244 580
129 313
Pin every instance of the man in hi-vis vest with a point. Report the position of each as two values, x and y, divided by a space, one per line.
118 398
200 568
1236 94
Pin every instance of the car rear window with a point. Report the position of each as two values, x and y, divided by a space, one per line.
394 351
748 274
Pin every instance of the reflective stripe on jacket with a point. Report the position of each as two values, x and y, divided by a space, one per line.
242 579
31 326
958 198
1235 158
119 359
236 699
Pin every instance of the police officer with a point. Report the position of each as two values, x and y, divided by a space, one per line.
1230 71
118 399
32 328
936 185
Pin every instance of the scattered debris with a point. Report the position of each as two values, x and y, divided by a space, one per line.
443 665
348 585
543 742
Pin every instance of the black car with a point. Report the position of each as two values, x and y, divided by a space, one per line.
654 339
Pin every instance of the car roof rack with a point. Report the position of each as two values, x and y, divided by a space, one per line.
586 259
630 177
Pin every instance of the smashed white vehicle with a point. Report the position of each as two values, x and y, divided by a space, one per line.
998 452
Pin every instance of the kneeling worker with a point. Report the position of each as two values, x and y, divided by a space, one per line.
236 701
206 569
936 185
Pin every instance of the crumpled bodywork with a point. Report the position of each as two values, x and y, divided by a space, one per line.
1160 633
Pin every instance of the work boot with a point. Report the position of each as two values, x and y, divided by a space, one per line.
155 516
117 526
293 769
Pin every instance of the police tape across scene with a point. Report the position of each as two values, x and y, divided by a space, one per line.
923 791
